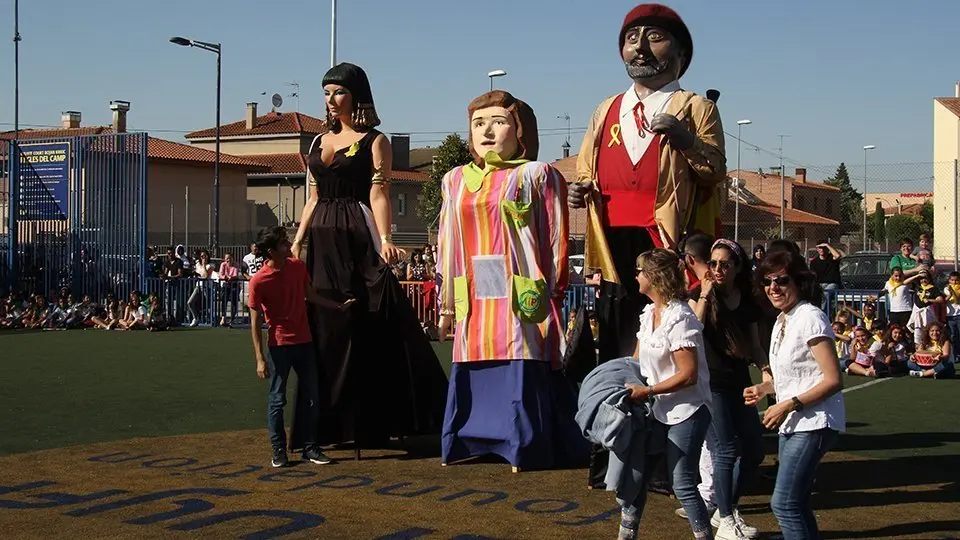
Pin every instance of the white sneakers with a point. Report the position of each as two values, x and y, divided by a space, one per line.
733 527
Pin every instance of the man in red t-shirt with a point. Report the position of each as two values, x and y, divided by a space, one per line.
278 294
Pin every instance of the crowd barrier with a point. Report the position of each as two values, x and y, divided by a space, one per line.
213 301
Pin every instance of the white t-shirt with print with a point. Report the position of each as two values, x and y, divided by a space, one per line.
679 328
796 371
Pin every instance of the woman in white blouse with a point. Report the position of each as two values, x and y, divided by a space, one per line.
204 271
671 354
806 380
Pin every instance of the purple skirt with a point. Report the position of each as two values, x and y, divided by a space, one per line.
520 410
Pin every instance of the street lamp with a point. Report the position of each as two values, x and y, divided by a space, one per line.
495 73
865 149
214 48
736 214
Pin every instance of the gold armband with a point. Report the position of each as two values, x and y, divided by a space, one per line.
378 177
386 238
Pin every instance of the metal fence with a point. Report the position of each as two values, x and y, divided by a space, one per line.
74 214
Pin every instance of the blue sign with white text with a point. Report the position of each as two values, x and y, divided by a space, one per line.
44 181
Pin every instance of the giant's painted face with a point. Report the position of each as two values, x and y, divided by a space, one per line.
493 128
649 51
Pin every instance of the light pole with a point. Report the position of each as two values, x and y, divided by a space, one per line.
16 69
214 48
865 149
736 187
333 33
495 73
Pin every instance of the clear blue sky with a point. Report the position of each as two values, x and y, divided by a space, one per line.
833 75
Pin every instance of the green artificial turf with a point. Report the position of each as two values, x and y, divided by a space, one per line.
65 388
85 386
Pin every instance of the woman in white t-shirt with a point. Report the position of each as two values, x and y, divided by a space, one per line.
809 412
670 350
204 271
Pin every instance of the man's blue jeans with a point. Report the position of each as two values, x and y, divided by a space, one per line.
800 454
828 289
734 422
302 358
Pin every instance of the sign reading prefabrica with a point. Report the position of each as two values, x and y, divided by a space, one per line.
44 180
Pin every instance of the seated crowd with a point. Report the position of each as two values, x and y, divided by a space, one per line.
64 312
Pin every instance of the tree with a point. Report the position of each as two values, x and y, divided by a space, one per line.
850 199
451 153
926 215
877 230
904 226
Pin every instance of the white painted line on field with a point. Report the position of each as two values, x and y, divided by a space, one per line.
852 388
866 384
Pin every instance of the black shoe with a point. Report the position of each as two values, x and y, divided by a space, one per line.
314 455
279 457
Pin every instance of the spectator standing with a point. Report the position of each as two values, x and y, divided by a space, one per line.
904 260
228 275
204 271
826 265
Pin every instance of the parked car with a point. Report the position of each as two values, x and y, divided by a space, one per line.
869 270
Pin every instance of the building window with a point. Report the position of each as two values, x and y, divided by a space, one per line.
402 204
829 208
800 202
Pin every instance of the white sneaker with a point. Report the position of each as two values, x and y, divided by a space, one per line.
682 513
729 530
916 374
747 530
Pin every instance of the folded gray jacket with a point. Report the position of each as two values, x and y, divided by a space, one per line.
608 417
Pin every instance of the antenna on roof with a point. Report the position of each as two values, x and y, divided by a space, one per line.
295 93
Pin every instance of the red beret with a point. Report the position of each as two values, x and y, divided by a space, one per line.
663 17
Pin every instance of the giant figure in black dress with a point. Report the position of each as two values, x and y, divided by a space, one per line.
379 376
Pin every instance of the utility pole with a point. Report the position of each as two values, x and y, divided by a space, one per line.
783 196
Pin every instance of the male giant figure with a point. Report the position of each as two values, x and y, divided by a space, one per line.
648 170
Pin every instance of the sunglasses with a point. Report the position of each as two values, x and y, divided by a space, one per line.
780 280
639 271
725 265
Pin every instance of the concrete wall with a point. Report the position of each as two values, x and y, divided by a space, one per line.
279 145
946 148
167 187
268 199
819 201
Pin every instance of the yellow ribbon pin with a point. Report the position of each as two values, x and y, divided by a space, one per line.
352 151
615 133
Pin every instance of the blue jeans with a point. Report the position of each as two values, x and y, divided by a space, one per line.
684 442
800 454
827 289
734 422
953 324
944 368
302 359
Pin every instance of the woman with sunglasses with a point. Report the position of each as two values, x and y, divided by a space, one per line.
729 316
806 380
671 354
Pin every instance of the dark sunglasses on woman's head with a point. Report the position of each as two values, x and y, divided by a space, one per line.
779 280
726 265
639 271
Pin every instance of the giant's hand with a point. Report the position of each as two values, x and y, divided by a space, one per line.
577 194
673 129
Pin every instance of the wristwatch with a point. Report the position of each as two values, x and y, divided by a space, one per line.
650 392
797 404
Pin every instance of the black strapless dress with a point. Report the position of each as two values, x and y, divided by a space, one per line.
379 375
